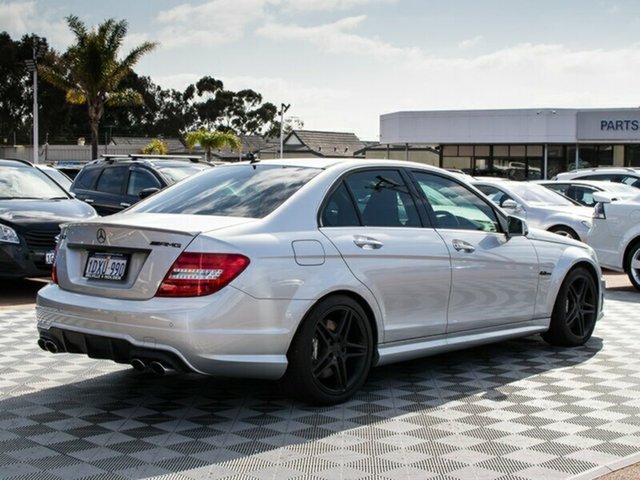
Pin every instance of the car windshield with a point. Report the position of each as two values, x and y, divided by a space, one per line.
28 183
57 176
537 194
252 191
175 172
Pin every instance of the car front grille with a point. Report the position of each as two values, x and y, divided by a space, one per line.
41 239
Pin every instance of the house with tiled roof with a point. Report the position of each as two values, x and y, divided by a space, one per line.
313 143
136 144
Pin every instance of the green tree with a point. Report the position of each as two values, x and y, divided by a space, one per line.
210 140
90 71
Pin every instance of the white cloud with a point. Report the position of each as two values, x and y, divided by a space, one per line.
20 18
212 23
15 16
335 37
471 42
330 5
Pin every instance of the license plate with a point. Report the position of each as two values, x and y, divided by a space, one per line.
106 266
49 257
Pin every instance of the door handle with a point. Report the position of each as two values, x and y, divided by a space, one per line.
367 243
461 245
125 205
88 200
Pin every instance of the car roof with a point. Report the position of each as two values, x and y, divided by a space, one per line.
599 184
622 170
15 162
328 162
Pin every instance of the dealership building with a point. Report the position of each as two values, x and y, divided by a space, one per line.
519 143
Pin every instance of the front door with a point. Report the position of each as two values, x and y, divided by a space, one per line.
494 277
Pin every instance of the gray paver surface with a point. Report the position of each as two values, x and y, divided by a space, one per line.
514 410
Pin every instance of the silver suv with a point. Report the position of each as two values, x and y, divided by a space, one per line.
628 176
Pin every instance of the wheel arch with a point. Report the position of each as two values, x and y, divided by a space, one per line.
368 310
562 226
627 251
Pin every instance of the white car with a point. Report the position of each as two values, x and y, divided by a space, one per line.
582 191
539 206
628 176
615 234
315 270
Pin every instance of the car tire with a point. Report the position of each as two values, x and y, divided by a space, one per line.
330 356
575 310
565 231
632 265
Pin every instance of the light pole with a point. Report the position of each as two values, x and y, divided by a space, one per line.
283 108
38 50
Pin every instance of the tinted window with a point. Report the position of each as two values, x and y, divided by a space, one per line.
86 179
339 210
383 199
252 191
455 206
604 177
139 180
111 180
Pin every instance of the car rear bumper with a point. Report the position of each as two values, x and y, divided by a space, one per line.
225 334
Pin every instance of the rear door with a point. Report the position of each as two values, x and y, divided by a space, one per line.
108 196
372 219
494 278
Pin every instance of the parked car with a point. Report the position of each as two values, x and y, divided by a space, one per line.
114 183
57 176
615 234
315 270
32 207
628 176
582 191
540 207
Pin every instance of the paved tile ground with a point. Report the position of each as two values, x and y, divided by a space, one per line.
514 410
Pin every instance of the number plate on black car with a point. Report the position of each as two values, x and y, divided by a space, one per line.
106 266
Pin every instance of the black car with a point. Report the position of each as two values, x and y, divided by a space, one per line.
114 183
32 207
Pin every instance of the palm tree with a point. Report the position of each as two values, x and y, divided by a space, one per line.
90 71
210 140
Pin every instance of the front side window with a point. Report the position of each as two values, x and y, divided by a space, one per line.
455 206
139 180
383 199
251 191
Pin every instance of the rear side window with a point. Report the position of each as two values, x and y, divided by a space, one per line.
111 180
383 199
86 179
252 191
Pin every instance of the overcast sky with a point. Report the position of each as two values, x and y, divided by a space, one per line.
342 63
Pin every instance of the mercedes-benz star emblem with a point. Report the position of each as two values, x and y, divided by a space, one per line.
101 235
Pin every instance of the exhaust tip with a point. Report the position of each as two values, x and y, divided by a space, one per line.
138 364
51 346
42 343
158 368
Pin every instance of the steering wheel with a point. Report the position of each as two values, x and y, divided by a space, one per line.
446 219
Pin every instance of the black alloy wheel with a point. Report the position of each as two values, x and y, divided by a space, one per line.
575 311
331 355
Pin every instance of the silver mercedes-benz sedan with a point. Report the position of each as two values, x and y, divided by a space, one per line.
313 270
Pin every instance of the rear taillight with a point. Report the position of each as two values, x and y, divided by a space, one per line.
198 274
54 269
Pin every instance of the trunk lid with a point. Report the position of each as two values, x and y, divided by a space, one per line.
127 256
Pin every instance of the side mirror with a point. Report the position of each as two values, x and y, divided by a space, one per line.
516 227
147 192
601 197
511 205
